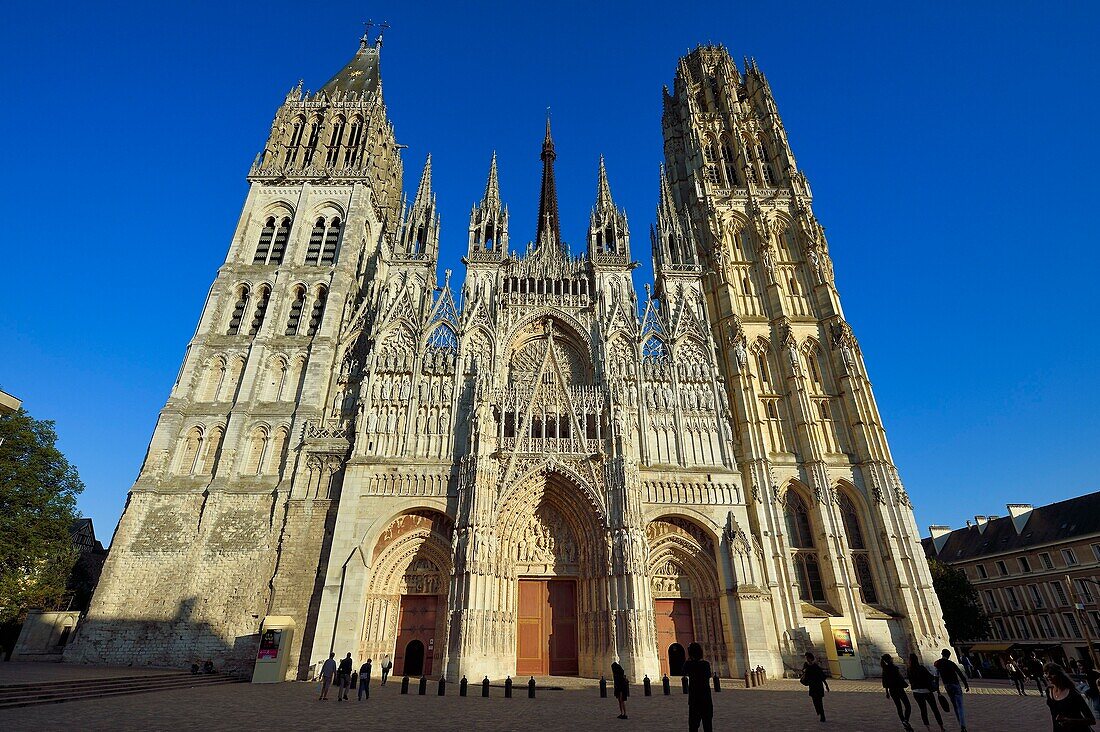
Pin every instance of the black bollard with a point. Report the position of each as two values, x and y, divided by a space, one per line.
684 681
645 686
665 685
423 686
717 683
404 684
485 687
603 688
531 688
442 686
748 677
462 686
508 688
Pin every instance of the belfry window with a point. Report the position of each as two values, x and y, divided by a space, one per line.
861 559
316 238
278 247
332 239
238 311
263 248
318 312
261 311
296 311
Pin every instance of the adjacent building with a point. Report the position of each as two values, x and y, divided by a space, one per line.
539 470
1019 562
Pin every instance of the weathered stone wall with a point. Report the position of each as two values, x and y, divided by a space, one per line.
186 579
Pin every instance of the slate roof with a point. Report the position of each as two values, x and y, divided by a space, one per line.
1055 522
361 74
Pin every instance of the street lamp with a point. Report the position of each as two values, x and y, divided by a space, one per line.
1078 610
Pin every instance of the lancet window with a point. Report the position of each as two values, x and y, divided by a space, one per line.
261 310
800 537
318 311
324 240
861 559
296 307
238 311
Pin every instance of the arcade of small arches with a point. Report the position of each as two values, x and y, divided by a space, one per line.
249 300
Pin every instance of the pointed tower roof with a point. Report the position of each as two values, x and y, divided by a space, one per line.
548 198
492 186
603 190
361 75
424 190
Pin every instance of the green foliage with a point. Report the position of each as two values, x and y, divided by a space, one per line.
38 490
963 613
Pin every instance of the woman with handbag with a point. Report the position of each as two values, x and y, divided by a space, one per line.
813 676
895 687
924 686
1069 711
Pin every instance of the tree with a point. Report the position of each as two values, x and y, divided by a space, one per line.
38 490
963 613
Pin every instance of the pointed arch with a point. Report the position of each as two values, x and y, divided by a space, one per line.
802 543
257 450
212 450
189 450
297 304
655 350
853 515
276 453
236 316
213 376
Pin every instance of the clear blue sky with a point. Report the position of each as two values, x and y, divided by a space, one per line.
952 151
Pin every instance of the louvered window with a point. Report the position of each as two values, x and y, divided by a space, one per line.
317 313
278 247
316 239
332 240
296 311
261 310
264 245
238 312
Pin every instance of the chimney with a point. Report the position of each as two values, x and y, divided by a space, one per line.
939 536
1020 513
980 522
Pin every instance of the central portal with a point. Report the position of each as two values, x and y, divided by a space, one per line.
547 633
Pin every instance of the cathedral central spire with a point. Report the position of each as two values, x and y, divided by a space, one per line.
548 199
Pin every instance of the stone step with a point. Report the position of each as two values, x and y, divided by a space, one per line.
61 695
76 683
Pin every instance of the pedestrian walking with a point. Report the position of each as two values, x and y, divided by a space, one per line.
1035 672
1069 712
364 680
700 705
971 670
1092 693
813 676
387 664
954 681
895 686
328 670
924 686
343 675
622 687
1017 675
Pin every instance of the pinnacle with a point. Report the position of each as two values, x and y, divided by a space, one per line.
424 189
603 189
492 185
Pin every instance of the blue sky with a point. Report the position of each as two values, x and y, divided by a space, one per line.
951 150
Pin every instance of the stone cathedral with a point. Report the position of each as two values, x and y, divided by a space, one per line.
541 470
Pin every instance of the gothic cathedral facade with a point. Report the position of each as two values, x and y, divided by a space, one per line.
542 475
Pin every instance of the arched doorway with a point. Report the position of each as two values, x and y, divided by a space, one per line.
551 537
406 600
676 657
683 570
414 659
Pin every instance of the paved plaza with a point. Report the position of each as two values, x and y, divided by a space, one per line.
781 705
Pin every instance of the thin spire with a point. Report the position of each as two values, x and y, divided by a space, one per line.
492 185
424 190
603 190
548 198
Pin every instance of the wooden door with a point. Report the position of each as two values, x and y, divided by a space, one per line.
674 628
562 596
416 622
532 651
546 634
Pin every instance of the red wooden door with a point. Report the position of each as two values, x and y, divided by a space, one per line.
562 597
532 657
416 622
674 626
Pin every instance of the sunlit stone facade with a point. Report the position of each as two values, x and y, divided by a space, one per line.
541 470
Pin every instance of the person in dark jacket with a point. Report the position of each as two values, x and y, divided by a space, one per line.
813 677
343 676
895 687
700 705
622 687
364 679
924 686
954 681
1069 712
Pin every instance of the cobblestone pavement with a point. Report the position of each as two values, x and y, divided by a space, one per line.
781 705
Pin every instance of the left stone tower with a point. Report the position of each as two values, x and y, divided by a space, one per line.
231 515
